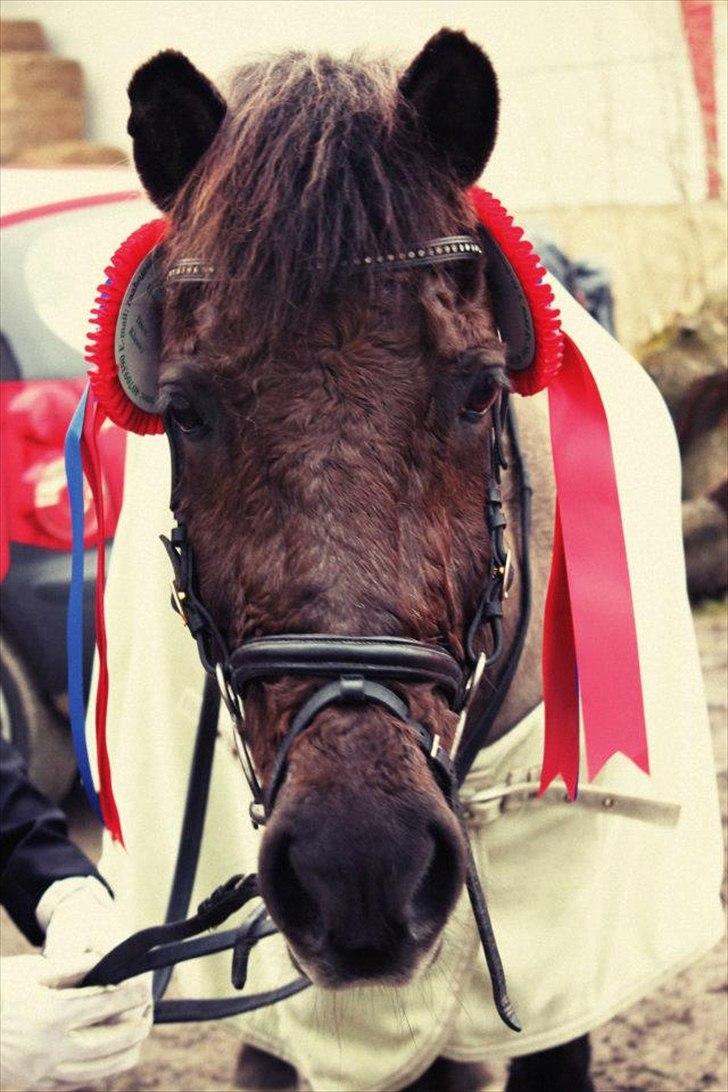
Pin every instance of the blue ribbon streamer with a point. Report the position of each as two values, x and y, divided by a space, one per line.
74 618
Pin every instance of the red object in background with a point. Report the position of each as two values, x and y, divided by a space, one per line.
34 508
697 18
34 418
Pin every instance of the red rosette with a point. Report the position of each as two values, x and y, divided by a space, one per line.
100 357
527 266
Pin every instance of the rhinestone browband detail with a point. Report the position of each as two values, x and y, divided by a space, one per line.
190 269
453 248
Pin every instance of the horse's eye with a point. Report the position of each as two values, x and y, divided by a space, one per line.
481 397
186 417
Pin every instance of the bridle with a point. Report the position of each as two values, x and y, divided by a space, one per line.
353 661
353 670
342 656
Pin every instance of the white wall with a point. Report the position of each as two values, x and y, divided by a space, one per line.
598 101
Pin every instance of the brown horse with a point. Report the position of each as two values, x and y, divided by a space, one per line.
331 427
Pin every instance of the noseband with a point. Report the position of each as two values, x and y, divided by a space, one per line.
354 670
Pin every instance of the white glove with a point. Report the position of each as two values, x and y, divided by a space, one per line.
52 1034
78 916
57 1034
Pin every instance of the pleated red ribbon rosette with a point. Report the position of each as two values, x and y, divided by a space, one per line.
590 653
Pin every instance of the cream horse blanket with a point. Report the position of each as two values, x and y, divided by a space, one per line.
593 903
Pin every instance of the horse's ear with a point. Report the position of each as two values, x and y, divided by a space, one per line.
452 87
175 113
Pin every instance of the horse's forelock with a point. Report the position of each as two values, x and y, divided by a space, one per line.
315 166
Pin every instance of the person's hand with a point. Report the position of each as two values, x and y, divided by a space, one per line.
79 916
53 1033
82 923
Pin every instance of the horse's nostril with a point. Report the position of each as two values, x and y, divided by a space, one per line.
284 892
440 883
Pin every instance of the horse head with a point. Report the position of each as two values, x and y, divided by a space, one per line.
330 412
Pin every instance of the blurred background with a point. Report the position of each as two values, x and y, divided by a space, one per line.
612 153
612 123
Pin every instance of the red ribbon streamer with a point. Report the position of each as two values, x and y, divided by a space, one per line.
589 618
94 419
560 682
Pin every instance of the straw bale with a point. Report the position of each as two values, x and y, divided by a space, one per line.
64 153
54 119
23 34
25 76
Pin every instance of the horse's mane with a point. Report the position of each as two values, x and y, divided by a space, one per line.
317 163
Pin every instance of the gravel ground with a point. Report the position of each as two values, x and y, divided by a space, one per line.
674 1042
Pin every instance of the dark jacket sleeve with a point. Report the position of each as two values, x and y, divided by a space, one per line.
35 850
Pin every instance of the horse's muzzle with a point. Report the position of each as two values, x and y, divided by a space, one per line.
362 887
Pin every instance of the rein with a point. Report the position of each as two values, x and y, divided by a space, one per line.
160 947
355 669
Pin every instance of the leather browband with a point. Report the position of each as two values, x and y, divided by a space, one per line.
321 654
450 248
